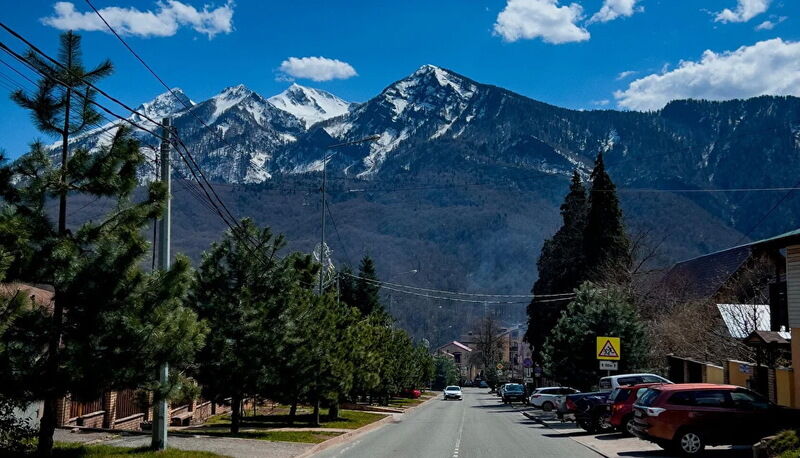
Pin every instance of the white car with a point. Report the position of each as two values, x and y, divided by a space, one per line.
452 392
615 381
550 397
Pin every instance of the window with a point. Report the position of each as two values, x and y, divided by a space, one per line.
619 395
627 381
748 400
605 383
648 397
457 357
652 379
711 398
682 398
568 391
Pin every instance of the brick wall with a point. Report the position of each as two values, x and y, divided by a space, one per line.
132 423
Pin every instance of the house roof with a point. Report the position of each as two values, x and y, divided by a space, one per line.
769 337
703 276
741 319
457 344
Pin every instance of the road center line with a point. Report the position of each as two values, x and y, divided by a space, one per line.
460 429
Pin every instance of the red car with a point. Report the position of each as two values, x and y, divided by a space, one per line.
684 418
621 402
413 394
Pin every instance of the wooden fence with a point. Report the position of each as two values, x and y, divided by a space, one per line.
79 409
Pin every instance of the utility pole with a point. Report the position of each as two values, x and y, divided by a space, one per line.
325 157
160 417
322 241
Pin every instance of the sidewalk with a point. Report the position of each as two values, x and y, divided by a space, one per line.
228 446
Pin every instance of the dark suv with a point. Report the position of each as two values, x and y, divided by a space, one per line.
686 417
514 392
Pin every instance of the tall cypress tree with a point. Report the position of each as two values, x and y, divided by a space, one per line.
560 265
606 246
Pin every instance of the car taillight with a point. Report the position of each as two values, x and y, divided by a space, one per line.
653 411
616 407
571 405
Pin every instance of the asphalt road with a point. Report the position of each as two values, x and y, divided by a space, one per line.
478 426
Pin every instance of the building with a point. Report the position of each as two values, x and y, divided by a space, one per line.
768 319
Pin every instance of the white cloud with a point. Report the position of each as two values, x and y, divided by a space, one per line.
767 67
317 68
545 19
769 25
601 103
626 74
164 22
613 9
745 10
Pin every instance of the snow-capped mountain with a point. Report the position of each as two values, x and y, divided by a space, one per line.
310 105
235 133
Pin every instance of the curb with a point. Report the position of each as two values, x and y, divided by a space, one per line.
347 437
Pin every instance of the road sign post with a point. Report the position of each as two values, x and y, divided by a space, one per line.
609 352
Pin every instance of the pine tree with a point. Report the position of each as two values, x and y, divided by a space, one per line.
367 297
569 352
241 294
606 245
111 324
560 265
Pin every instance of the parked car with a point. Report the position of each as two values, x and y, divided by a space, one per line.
483 384
411 393
513 392
616 381
684 418
500 390
467 383
452 392
590 410
621 402
550 397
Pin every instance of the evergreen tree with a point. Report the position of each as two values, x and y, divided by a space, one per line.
570 350
240 294
366 294
606 246
560 266
111 325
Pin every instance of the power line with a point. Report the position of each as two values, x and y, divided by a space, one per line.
341 243
458 293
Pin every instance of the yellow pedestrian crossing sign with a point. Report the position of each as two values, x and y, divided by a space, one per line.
608 348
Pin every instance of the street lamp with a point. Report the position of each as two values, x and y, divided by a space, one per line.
391 296
325 158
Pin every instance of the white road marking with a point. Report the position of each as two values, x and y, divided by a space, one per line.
460 431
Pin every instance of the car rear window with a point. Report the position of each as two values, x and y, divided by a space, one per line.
619 395
649 396
605 383
515 388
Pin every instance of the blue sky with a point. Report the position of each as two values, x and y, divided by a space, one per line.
558 52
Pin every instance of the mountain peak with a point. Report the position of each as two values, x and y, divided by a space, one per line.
166 104
310 105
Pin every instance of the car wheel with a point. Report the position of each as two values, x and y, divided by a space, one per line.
547 406
627 426
690 443
589 426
